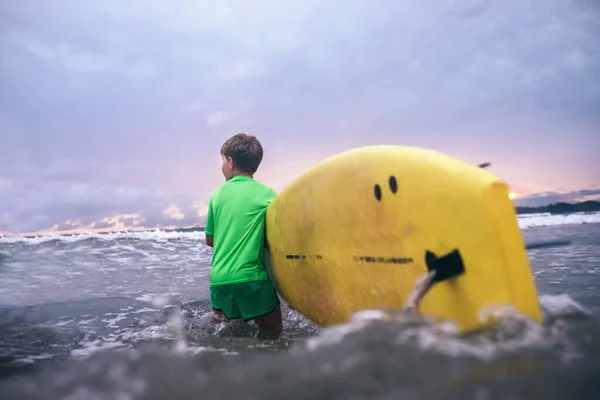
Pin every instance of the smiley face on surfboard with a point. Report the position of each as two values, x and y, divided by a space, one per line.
359 229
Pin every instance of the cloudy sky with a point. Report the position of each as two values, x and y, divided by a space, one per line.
112 112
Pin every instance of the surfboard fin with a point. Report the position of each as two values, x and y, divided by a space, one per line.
446 267
439 269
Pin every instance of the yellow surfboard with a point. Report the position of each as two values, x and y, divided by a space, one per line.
353 233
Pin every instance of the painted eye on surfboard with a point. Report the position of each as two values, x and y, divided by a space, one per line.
393 186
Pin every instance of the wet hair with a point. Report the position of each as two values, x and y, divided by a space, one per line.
245 150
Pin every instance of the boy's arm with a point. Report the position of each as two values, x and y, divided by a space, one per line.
271 194
209 230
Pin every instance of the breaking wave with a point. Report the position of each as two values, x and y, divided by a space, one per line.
525 221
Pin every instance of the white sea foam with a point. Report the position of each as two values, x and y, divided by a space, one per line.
546 219
156 235
524 221
520 332
92 347
561 305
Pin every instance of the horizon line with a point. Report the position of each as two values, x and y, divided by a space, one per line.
171 228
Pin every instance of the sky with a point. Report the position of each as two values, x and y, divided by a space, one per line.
112 113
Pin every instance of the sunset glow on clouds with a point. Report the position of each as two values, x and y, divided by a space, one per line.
112 113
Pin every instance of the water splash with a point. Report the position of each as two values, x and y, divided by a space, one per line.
175 320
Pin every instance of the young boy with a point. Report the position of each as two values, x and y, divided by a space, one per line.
235 228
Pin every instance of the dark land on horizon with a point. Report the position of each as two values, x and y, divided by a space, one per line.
562 208
555 208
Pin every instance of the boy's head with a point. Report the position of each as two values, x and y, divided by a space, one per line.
241 154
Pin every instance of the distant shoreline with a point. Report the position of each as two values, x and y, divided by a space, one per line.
561 208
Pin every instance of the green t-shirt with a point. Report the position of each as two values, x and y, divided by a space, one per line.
236 220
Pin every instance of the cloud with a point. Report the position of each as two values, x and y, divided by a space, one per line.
546 198
79 60
247 69
67 206
112 108
173 212
218 118
442 56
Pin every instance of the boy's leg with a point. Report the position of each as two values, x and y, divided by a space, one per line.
270 326
218 316
223 304
258 300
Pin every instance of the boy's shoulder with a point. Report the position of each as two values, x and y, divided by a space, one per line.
264 187
251 186
267 191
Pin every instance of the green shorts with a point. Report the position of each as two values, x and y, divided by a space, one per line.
246 300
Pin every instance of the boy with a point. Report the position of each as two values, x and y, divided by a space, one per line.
235 227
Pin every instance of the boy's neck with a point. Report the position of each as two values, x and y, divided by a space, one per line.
246 174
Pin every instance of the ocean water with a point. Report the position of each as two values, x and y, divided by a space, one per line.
125 316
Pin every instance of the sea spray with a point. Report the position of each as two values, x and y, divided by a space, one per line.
175 320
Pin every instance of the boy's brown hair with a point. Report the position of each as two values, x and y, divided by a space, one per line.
245 150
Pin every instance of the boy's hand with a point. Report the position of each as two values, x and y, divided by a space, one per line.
209 241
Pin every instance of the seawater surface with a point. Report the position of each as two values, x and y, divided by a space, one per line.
125 316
